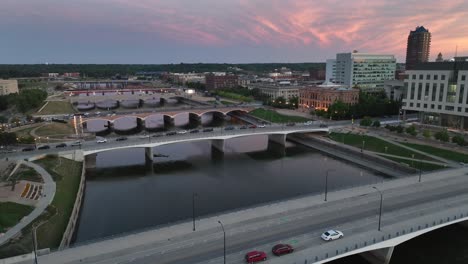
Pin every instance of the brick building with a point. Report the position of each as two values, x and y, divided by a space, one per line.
321 97
219 81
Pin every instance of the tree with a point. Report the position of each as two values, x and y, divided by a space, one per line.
376 123
367 121
3 120
338 110
7 138
399 129
458 140
411 130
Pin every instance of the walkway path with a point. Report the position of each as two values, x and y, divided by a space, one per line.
48 195
410 159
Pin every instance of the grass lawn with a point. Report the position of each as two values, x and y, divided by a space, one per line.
415 164
375 144
443 153
26 173
25 132
276 117
227 102
53 129
12 213
66 174
57 107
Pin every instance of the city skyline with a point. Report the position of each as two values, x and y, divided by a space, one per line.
208 31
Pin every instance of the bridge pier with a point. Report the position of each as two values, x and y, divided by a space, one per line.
149 155
219 116
278 139
168 121
217 144
90 161
379 256
193 117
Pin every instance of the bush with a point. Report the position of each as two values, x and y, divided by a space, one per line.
376 123
442 135
399 129
458 140
411 130
427 133
367 121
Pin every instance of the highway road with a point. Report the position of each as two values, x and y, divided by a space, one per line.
355 213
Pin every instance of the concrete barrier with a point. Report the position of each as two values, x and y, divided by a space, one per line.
72 222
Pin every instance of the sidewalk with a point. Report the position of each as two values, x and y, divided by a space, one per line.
49 189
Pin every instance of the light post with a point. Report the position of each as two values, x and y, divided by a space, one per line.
420 169
193 209
326 183
386 149
33 233
412 160
224 239
363 143
381 201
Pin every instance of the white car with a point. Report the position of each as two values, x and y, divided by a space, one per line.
261 126
144 136
332 235
182 132
101 140
308 123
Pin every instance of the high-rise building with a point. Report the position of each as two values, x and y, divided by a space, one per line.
366 71
418 48
330 71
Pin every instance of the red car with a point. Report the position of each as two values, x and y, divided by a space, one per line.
282 249
252 126
255 256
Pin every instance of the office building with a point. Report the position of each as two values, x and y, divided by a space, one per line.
322 96
330 71
418 47
438 91
277 89
8 87
365 71
219 81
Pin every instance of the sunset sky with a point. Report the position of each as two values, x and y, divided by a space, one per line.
232 31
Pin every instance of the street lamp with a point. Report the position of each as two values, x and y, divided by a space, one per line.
363 143
33 233
381 201
420 169
193 209
224 236
326 183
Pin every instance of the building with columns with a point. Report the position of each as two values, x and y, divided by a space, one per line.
321 97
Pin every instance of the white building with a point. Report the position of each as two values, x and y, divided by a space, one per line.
437 90
275 90
330 71
394 89
366 71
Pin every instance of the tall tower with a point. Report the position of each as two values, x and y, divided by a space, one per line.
418 48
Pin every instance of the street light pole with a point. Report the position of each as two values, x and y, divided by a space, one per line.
193 209
420 170
326 183
362 148
34 245
381 202
224 243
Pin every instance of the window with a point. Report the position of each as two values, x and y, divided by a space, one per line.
419 91
449 108
411 104
432 106
426 92
414 77
442 77
436 77
434 91
463 77
460 96
421 76
425 106
428 77
439 107
418 105
441 92
412 90
459 109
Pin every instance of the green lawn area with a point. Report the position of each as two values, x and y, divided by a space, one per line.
416 164
66 174
57 107
375 144
227 102
26 173
235 96
53 129
276 117
12 213
443 153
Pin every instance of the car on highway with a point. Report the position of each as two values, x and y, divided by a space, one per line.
61 145
171 133
282 249
332 235
252 126
255 256
229 128
44 147
28 149
144 136
121 139
194 131
261 126
308 123
208 130
101 140
75 144
182 132
243 127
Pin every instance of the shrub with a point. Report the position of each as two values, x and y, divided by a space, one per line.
367 121
411 130
427 133
442 135
399 129
376 123
458 140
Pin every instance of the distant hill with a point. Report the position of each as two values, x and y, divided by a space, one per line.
109 70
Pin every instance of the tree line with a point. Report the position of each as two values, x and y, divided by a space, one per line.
25 100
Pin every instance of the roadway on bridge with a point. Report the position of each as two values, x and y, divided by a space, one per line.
298 222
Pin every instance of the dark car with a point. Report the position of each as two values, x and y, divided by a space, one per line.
252 126
229 128
255 256
194 131
28 149
290 124
61 145
75 144
44 147
208 130
121 138
243 127
172 133
282 249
